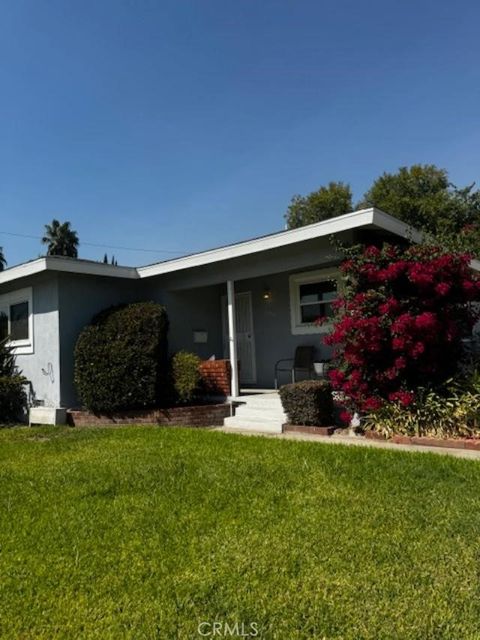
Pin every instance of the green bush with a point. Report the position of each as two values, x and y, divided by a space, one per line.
308 402
121 358
186 375
13 399
455 413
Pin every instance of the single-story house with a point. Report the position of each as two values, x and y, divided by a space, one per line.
253 302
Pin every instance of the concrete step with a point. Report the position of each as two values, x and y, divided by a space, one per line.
253 412
266 426
262 416
272 402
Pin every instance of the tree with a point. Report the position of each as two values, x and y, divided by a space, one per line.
3 262
61 239
423 196
327 202
113 261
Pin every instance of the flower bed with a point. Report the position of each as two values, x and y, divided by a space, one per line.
450 443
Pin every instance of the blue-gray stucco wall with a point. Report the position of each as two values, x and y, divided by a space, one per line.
80 298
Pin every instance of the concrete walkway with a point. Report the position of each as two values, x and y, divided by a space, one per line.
356 441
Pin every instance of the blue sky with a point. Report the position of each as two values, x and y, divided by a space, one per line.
178 125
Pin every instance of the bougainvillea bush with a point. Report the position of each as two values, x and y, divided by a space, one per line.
400 323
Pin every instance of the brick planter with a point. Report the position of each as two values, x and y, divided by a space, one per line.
301 428
216 377
425 441
208 415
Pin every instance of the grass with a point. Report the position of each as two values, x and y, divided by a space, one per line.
141 532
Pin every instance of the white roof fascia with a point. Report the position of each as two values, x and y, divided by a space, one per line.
348 221
23 270
67 265
394 225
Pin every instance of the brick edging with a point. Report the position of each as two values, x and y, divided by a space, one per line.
425 441
209 415
301 428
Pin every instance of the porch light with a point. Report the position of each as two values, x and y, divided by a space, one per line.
267 294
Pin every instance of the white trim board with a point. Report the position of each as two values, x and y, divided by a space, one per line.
66 265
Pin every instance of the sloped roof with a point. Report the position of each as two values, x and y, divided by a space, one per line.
366 218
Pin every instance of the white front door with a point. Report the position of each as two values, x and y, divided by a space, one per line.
245 336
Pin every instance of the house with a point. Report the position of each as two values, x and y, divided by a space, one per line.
253 302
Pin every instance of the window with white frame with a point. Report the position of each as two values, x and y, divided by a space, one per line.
311 297
16 320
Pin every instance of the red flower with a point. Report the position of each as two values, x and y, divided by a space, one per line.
372 252
417 349
426 321
347 265
337 377
372 404
405 398
442 288
345 417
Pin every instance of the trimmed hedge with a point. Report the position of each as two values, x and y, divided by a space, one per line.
13 399
121 358
186 375
308 403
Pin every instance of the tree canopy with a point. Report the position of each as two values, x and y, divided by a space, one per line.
327 202
423 196
61 239
420 195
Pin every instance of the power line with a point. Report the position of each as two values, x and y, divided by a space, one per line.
99 246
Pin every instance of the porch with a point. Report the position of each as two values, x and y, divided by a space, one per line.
254 322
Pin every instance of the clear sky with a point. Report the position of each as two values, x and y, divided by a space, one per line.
179 125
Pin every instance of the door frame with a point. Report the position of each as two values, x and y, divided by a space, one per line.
225 337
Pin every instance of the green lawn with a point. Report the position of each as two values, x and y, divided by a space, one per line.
142 532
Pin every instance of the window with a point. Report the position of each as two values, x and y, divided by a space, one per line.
16 320
19 321
311 297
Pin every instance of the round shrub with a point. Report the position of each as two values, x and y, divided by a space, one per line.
121 358
309 403
186 375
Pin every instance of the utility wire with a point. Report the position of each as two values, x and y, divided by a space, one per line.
99 246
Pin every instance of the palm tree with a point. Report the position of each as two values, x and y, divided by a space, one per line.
61 239
3 262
